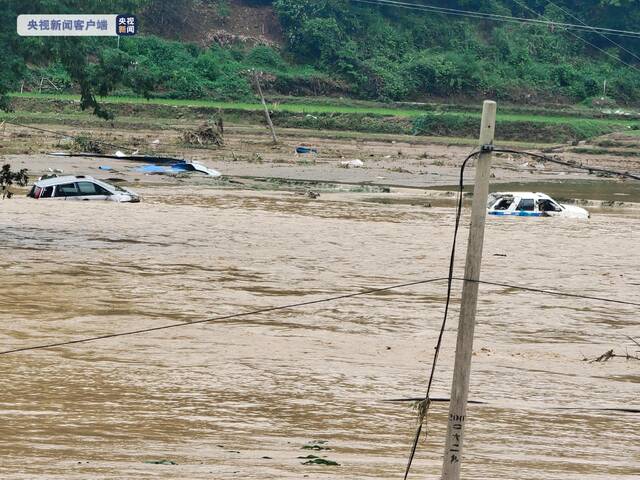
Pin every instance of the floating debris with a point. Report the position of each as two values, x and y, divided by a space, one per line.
313 460
317 445
161 462
179 167
357 163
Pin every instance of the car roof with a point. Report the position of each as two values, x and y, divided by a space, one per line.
47 182
534 195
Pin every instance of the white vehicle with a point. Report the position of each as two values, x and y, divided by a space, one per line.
531 204
80 188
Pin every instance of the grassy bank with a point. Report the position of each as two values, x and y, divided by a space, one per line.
427 120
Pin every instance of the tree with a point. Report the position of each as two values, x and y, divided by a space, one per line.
8 178
72 52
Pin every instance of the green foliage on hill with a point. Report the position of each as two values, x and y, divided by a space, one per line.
337 47
395 54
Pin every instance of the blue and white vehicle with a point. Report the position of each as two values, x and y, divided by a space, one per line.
531 204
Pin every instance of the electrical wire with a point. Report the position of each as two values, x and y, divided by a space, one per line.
497 17
490 404
551 292
322 300
580 38
426 400
594 30
545 158
224 317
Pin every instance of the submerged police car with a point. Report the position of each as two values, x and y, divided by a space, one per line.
531 204
80 188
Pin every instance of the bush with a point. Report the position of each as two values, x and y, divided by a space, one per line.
267 57
9 177
186 84
232 87
208 66
626 87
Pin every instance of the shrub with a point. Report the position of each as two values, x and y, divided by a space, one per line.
9 177
262 56
186 84
232 87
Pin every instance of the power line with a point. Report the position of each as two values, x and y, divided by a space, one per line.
496 17
552 292
223 317
594 30
580 38
426 401
425 410
491 404
545 158
312 302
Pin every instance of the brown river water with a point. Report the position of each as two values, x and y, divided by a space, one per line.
239 398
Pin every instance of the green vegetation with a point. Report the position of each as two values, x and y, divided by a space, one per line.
391 53
8 177
337 47
361 53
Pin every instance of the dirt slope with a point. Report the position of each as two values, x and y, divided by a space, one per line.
230 21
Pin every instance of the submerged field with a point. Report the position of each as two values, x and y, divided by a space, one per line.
243 397
254 396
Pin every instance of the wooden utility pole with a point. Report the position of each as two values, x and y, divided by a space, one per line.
266 109
466 324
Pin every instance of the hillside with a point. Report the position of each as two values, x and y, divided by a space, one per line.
208 49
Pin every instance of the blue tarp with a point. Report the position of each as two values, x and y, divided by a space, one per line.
306 150
173 168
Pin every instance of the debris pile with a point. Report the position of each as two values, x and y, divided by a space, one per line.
206 134
83 143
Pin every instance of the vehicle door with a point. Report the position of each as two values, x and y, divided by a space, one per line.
549 208
526 207
90 191
66 191
502 205
47 192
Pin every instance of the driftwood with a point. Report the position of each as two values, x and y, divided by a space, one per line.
609 354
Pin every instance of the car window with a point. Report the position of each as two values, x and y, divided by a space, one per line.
66 190
503 203
526 205
47 192
548 206
90 188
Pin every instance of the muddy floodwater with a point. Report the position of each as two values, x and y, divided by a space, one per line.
240 398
